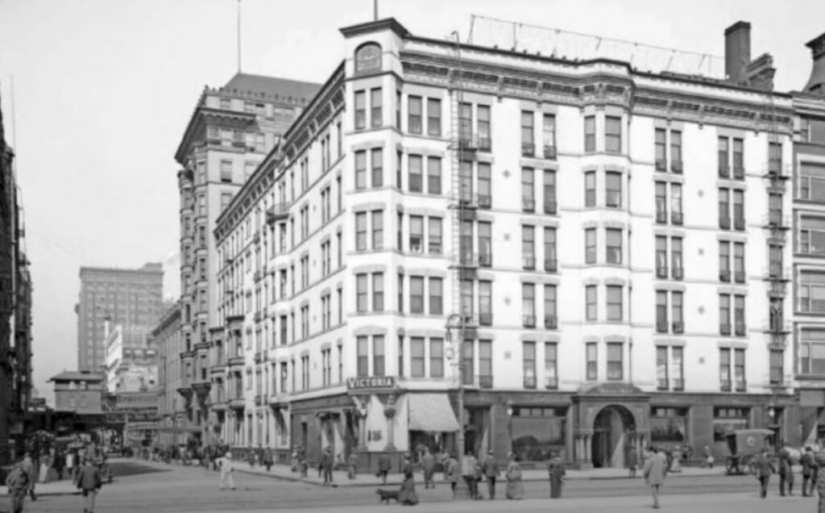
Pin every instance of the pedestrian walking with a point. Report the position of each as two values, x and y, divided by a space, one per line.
655 471
515 487
815 464
383 467
31 473
676 460
468 472
89 481
820 488
807 462
557 471
707 456
785 471
268 459
327 461
451 472
632 462
407 495
352 465
490 470
17 483
428 465
764 469
226 467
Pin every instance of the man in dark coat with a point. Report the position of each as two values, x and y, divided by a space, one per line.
764 469
268 460
807 461
491 471
89 481
17 483
785 471
383 467
557 472
428 465
326 466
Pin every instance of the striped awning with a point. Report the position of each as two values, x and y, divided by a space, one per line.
431 412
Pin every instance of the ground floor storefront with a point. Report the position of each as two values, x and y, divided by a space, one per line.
595 428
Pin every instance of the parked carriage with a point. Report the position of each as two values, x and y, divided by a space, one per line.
744 445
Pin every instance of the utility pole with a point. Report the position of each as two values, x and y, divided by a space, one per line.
239 36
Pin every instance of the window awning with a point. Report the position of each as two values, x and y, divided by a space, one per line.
431 412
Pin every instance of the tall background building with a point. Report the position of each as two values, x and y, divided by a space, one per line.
131 298
231 130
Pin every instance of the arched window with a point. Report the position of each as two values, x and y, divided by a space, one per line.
368 57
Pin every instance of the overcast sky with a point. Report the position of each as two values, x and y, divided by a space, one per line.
105 88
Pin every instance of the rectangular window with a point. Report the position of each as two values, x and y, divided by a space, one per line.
661 256
549 303
528 143
434 236
592 355
361 231
363 356
590 245
777 367
414 115
485 192
724 314
360 169
812 236
467 360
436 357
436 296
590 189
377 167
591 309
812 351
529 364
466 294
434 175
400 293
811 182
676 258
661 149
548 136
433 117
676 151
400 341
676 311
528 303
739 369
376 103
416 295
417 357
528 194
661 202
416 234
528 246
378 368
613 134
485 302
226 171
739 209
724 209
484 133
613 190
414 163
614 303
615 361
739 262
362 294
485 362
377 229
550 262
724 158
812 292
739 314
614 245
590 134
360 110
398 110
662 382
465 123
378 292
551 380
465 181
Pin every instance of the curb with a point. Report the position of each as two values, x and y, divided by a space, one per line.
351 484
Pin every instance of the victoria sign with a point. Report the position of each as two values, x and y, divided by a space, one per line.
370 383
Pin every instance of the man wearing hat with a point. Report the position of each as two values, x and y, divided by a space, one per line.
490 470
17 483
89 481
225 464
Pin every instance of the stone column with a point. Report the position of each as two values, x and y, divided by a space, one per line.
389 414
362 407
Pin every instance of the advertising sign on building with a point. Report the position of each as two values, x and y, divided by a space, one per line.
374 383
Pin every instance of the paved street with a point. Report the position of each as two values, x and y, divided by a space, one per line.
160 488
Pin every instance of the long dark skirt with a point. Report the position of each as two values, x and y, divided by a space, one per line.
407 495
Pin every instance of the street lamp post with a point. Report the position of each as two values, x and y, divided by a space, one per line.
456 323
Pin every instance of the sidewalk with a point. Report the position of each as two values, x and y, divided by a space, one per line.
369 480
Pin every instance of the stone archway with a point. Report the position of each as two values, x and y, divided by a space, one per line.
611 439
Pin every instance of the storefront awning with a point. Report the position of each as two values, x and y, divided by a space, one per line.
431 412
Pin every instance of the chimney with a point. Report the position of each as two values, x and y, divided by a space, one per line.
816 84
737 51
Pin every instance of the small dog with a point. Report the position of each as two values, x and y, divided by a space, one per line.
386 495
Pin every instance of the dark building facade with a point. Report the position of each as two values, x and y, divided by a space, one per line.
15 308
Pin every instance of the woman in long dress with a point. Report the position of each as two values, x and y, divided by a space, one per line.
515 488
407 496
676 464
557 472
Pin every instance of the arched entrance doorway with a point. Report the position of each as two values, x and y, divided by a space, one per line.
611 439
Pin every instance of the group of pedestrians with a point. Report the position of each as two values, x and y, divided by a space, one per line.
21 480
